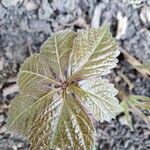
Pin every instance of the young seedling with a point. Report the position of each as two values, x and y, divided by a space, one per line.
62 90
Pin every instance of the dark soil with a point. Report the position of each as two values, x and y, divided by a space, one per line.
23 31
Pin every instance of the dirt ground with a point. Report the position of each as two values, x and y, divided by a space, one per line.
25 25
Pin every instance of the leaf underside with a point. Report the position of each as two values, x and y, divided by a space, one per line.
61 90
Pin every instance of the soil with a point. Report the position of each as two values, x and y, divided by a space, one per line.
25 25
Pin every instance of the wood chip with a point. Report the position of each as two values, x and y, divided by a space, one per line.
4 108
30 5
95 23
81 22
122 25
145 16
1 85
14 79
1 63
10 89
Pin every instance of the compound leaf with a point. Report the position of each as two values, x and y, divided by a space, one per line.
56 94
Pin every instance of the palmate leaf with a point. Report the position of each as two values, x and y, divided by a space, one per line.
57 100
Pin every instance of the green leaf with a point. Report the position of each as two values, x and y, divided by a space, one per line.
35 75
140 114
98 97
57 102
24 110
133 103
94 53
57 49
144 104
128 118
68 125
140 97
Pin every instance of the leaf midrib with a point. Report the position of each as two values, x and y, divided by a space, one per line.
94 96
76 72
57 56
59 119
49 93
78 125
37 74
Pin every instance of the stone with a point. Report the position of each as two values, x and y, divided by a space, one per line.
30 5
3 11
39 25
9 3
145 16
1 118
45 11
1 63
